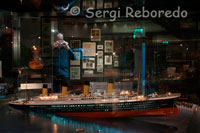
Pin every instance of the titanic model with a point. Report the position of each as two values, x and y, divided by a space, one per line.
96 105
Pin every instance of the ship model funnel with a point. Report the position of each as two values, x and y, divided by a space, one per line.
44 90
86 88
64 89
110 88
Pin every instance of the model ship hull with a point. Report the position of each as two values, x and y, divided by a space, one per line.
124 114
125 108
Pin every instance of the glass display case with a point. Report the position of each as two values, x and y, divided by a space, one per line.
68 72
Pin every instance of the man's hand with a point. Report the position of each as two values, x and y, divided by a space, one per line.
56 45
66 45
61 44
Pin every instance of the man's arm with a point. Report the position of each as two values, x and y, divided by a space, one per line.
72 56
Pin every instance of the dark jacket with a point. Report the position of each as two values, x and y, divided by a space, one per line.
61 61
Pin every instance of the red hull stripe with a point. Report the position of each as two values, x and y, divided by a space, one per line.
118 114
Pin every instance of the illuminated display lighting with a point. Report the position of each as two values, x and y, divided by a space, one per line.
196 109
34 47
165 42
140 97
138 31
49 98
134 36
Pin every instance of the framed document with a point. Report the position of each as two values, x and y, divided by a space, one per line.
89 72
108 59
99 46
100 68
89 63
116 63
108 44
95 34
77 61
89 48
99 57
74 73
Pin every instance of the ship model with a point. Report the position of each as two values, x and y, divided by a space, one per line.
97 105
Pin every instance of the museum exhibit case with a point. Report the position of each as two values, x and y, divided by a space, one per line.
95 67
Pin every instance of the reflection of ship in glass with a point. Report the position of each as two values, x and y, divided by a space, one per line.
102 126
107 105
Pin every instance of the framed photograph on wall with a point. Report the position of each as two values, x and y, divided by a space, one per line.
108 59
99 57
75 44
89 48
99 46
77 61
88 63
88 71
74 73
95 34
107 5
100 68
88 3
108 46
116 63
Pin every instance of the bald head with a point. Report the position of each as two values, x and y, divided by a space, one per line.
59 36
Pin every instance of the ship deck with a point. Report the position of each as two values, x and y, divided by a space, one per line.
57 100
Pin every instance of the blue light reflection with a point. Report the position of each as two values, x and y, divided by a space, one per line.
89 125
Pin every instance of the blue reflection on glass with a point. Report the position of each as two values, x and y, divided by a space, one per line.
2 96
89 125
